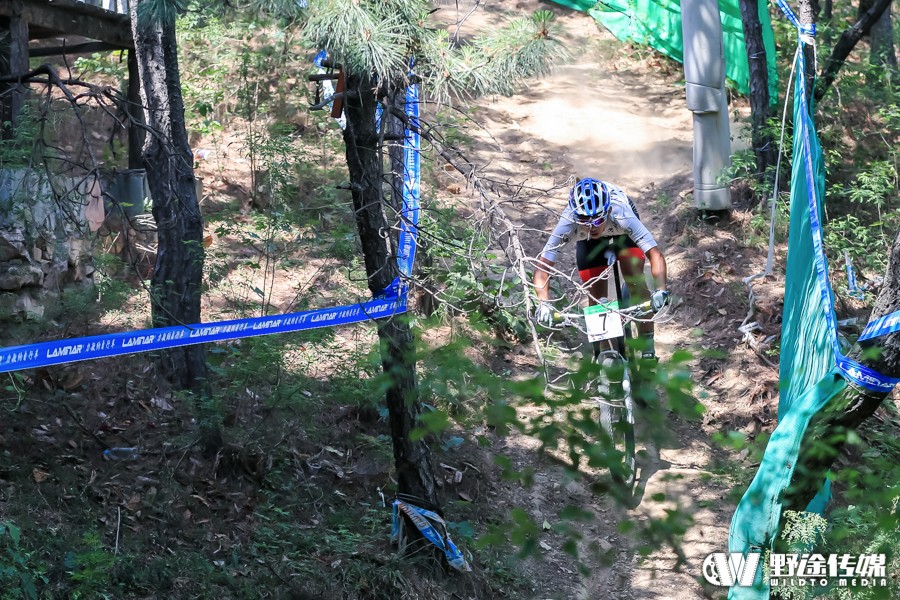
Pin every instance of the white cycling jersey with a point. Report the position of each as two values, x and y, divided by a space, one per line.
622 220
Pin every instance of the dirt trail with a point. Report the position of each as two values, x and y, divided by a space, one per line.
598 116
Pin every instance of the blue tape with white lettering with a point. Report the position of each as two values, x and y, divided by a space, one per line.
409 219
428 523
881 326
852 286
115 344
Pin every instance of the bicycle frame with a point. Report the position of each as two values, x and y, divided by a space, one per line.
622 295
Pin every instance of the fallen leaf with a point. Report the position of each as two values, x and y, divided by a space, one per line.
161 404
545 545
722 311
39 476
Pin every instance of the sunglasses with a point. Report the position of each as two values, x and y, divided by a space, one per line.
593 222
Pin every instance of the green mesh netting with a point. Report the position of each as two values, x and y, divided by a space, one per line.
657 23
808 375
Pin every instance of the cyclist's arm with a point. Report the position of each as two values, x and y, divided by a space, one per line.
640 235
559 238
657 267
542 278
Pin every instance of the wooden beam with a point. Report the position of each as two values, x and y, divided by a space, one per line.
85 48
68 16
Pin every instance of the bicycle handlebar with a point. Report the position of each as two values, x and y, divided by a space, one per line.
632 312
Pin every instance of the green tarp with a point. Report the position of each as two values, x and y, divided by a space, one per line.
657 23
808 375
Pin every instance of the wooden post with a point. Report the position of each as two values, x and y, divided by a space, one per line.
136 114
12 95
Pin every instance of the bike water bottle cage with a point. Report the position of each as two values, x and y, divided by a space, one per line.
589 200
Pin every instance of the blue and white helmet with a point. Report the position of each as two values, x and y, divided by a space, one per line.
590 199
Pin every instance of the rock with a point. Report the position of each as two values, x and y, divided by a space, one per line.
12 246
16 276
29 306
576 489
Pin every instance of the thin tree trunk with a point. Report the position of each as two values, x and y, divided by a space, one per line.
763 146
412 459
178 272
847 42
808 11
882 54
13 61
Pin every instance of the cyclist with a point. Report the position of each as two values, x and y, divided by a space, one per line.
599 216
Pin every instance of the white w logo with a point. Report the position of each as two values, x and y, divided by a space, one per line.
726 569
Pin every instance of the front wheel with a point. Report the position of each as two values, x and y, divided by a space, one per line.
617 414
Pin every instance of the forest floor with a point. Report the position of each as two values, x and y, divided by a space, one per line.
291 508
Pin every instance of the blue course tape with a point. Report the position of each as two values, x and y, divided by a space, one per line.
115 344
428 522
881 326
406 247
855 372
852 286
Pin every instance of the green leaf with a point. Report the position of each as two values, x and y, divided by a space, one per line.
14 532
575 513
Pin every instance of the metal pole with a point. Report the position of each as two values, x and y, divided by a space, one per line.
704 73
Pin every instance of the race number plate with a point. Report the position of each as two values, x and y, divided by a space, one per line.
603 321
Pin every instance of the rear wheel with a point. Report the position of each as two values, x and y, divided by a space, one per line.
617 414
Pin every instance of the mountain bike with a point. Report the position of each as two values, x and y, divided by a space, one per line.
608 327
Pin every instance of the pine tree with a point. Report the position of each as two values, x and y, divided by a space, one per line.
176 282
376 42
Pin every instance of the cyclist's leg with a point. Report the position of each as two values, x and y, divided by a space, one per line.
590 263
632 260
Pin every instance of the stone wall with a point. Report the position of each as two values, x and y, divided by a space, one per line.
46 237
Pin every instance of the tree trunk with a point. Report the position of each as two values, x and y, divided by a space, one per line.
412 459
882 54
808 10
763 146
177 275
13 61
136 135
846 44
